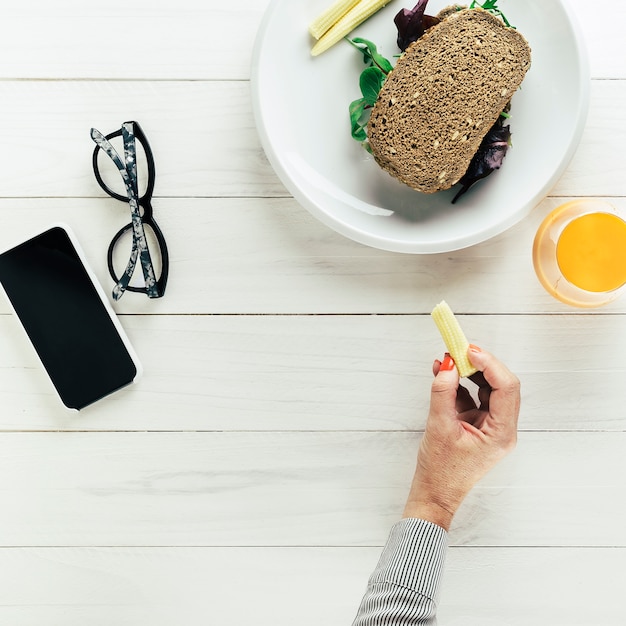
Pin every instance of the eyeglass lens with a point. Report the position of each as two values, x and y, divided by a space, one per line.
117 256
111 176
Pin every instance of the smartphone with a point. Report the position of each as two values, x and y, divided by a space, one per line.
67 317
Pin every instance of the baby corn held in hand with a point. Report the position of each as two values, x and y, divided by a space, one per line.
453 337
347 23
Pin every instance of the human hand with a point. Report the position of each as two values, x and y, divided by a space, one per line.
462 441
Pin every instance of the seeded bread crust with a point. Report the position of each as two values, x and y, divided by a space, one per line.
445 93
448 11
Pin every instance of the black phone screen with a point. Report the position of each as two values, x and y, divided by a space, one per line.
66 319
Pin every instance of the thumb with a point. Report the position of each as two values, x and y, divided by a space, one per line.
444 388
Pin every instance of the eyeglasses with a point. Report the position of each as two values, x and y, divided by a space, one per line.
140 210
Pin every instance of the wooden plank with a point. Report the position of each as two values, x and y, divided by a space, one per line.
202 134
272 257
602 37
70 39
298 489
196 42
596 166
163 586
205 141
281 347
324 373
533 586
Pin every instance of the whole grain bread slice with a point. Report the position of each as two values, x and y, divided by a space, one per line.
444 94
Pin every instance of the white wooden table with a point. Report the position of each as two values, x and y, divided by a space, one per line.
253 474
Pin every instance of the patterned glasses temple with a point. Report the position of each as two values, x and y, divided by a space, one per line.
128 170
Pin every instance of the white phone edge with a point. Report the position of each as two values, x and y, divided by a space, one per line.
99 290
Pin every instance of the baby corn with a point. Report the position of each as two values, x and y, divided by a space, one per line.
453 337
331 15
347 23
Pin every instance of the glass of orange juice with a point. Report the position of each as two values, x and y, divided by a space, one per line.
579 253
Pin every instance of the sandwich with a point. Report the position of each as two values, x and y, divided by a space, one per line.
438 119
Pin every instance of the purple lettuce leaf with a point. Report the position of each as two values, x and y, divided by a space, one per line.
488 158
412 24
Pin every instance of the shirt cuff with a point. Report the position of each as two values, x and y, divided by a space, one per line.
413 557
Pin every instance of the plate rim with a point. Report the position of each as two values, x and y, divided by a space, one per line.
389 244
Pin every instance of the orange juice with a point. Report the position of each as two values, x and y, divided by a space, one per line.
579 253
591 252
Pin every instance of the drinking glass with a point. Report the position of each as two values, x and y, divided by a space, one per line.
579 253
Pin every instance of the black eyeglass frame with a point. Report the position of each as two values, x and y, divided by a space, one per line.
147 215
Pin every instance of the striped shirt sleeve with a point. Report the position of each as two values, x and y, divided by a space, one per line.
403 589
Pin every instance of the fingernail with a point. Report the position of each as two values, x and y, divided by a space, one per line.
474 348
447 364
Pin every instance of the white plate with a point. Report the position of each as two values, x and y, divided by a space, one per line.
301 109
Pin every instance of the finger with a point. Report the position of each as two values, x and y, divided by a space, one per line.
494 372
504 398
436 367
464 400
479 379
444 388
